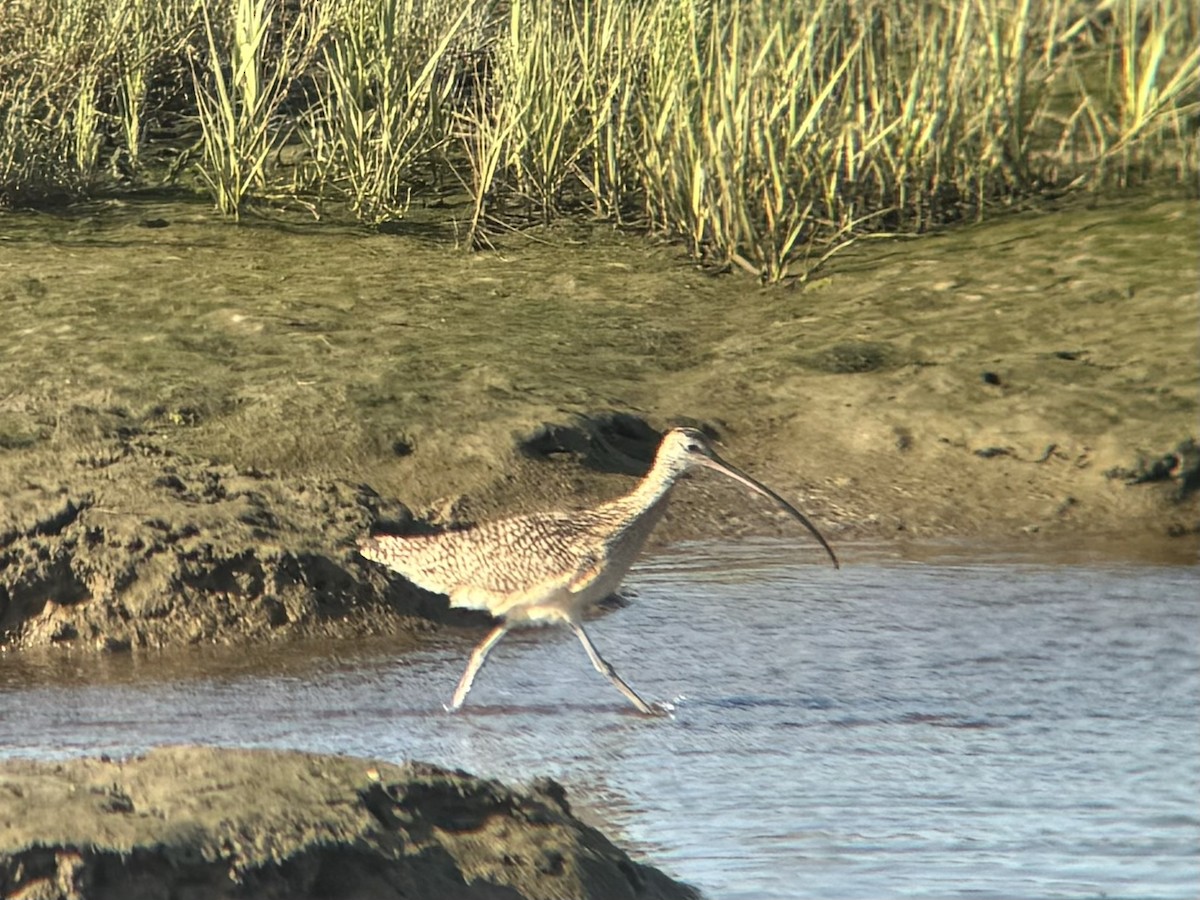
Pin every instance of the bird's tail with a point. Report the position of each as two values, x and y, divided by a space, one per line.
371 548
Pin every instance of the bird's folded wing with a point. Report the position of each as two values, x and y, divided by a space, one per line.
500 598
591 567
496 566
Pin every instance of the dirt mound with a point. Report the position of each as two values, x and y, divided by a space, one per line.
133 546
210 823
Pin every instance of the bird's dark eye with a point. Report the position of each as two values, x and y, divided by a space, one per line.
694 448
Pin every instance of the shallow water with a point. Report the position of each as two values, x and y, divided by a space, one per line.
943 724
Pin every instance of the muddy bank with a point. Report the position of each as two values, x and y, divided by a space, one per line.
208 823
197 420
142 548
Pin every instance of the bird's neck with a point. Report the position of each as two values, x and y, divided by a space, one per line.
651 491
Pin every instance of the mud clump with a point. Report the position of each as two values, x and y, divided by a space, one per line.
135 547
214 823
1181 467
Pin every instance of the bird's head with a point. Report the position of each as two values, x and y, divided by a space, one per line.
683 449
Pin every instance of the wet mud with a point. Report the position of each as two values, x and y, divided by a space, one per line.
211 823
141 548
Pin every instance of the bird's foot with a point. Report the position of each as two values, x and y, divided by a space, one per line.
658 710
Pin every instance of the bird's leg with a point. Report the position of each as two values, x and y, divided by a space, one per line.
609 672
478 657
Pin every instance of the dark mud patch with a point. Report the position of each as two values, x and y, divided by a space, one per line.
210 823
849 357
1180 468
612 442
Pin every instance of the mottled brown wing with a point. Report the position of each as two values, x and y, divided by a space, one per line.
497 565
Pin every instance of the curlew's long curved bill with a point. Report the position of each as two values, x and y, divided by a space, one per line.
715 462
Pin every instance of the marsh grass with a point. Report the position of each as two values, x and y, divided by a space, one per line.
254 59
764 134
381 105
50 141
749 179
75 83
521 130
1152 88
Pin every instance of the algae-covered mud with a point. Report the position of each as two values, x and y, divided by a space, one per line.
203 822
196 419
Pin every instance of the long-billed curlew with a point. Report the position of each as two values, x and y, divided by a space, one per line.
549 567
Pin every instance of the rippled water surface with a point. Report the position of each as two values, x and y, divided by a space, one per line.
942 725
